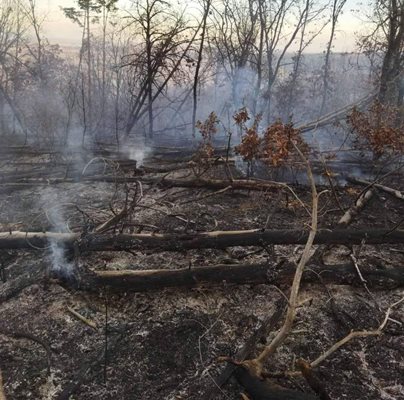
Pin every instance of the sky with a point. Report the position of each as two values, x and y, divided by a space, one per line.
58 29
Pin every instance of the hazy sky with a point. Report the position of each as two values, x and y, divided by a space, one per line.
58 29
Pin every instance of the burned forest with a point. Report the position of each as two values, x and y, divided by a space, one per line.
201 199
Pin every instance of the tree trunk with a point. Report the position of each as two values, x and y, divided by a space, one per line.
280 275
198 65
202 240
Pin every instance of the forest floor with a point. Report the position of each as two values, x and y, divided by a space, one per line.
165 344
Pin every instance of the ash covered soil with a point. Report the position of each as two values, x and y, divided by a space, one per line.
165 344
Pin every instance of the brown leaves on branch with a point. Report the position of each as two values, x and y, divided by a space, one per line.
274 146
278 143
378 130
250 145
241 117
205 151
209 127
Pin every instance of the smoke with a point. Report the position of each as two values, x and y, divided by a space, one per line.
52 207
59 263
136 149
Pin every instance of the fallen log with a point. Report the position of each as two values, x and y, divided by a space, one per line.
9 187
353 211
15 176
216 184
229 274
347 218
389 190
180 242
337 115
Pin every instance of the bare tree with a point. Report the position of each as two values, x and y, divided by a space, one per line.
336 10
83 17
158 56
391 90
13 27
206 9
258 35
234 39
290 90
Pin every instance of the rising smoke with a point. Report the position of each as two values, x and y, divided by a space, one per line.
52 207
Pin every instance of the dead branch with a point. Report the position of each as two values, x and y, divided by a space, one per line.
294 291
111 222
337 115
34 338
264 389
360 203
348 217
247 350
312 379
221 191
85 320
356 334
389 190
187 241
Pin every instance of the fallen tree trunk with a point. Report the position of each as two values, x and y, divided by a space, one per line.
179 242
216 184
337 115
282 275
347 218
15 176
353 211
393 192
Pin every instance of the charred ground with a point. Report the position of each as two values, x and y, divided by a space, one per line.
165 344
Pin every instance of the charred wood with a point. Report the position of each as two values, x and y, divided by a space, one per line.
268 325
260 389
14 286
230 274
355 209
394 192
180 242
216 184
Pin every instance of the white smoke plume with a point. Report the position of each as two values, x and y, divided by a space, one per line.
136 149
52 207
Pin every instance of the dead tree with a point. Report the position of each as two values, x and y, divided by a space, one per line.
206 10
164 46
13 27
391 90
337 6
